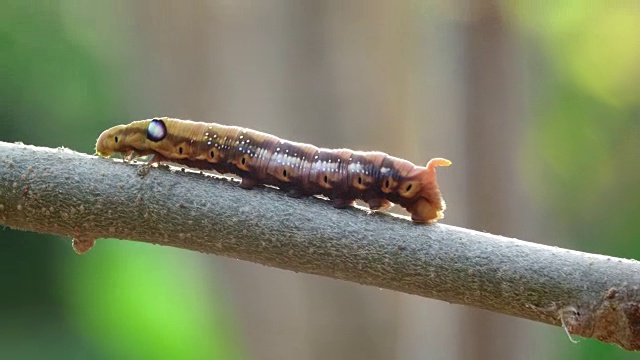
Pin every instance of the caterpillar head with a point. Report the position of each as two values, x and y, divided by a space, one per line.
110 141
139 137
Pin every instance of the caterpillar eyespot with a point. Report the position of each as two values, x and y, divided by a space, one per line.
244 163
156 131
342 175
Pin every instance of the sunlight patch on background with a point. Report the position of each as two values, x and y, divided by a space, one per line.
594 43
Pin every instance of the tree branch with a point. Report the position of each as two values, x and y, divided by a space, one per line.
62 192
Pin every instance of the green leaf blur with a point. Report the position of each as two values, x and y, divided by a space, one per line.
148 303
66 70
61 66
585 131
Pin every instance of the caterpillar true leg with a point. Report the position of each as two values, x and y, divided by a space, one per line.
128 156
157 158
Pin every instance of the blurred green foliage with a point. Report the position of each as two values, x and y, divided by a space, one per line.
57 90
60 80
583 155
138 301
63 66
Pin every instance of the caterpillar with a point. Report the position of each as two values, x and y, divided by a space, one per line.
342 175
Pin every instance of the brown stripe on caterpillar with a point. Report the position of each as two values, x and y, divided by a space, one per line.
342 175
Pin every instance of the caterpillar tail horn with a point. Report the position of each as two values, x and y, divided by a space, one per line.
430 206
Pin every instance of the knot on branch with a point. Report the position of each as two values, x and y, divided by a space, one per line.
614 319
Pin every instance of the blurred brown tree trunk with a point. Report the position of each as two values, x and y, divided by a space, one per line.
359 74
495 117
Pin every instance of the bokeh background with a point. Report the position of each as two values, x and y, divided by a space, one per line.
537 104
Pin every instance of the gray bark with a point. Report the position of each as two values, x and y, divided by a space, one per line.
70 194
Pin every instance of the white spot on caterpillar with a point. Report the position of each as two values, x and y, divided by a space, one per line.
315 157
207 134
215 135
208 142
248 140
277 149
241 136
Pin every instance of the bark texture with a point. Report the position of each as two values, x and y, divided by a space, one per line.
62 192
